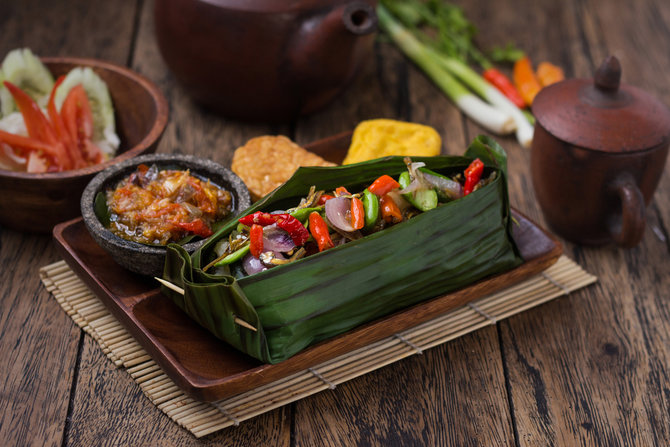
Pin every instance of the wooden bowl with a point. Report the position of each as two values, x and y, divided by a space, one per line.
36 202
149 259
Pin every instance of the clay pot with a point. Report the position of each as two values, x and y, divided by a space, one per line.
597 156
265 60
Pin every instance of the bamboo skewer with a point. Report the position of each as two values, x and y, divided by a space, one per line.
180 291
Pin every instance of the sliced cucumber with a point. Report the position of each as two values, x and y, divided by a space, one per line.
98 96
423 200
23 69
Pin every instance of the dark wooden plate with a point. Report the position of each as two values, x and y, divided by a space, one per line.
207 368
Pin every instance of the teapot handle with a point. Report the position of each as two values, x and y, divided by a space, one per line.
628 228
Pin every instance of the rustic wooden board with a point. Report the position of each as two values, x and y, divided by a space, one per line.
615 392
590 370
190 130
38 344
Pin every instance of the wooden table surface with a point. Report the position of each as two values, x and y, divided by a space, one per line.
589 369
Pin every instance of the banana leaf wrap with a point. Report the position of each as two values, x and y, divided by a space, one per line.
320 296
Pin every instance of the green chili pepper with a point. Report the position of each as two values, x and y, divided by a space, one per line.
371 207
302 214
424 200
234 256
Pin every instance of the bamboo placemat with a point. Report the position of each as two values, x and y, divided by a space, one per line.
202 418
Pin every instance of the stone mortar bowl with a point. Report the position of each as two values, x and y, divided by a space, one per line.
149 259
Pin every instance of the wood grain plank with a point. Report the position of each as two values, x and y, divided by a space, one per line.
38 341
592 369
434 399
115 408
38 345
80 29
111 407
408 403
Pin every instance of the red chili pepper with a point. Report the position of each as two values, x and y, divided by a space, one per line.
256 240
286 222
197 227
473 174
319 230
357 213
259 218
390 211
505 85
324 198
383 185
341 191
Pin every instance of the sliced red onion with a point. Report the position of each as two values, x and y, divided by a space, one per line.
338 212
277 240
450 188
399 200
415 185
252 264
414 168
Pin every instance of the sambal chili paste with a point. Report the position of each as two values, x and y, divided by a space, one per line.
157 207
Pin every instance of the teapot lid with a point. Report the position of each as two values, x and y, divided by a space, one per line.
603 114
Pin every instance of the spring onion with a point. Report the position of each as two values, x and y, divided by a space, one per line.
451 48
489 117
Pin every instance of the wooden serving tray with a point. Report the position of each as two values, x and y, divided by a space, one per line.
207 368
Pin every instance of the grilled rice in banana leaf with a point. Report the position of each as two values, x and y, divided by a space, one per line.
325 294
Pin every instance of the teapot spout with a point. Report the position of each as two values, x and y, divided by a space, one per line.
357 16
330 47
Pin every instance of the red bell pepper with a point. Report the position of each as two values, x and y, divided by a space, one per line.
383 185
319 230
473 174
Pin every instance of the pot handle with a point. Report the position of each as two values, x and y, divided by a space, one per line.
628 228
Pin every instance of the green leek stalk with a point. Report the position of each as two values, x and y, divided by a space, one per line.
524 130
496 120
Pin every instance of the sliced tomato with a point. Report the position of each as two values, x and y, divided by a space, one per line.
78 120
25 145
76 160
38 126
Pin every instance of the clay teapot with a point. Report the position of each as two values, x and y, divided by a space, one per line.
265 60
598 153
